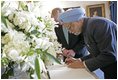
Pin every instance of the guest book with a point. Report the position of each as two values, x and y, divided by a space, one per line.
63 72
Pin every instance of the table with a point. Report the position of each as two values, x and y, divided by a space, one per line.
63 72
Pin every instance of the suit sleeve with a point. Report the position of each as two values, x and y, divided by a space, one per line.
86 57
105 38
58 39
80 48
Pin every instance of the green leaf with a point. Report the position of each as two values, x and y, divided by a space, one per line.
31 52
34 32
38 51
4 76
52 58
3 19
2 3
30 72
10 72
40 19
43 56
28 34
4 61
23 6
37 68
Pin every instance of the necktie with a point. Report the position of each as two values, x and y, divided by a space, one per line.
66 34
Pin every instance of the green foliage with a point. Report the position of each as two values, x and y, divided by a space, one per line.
18 29
3 33
23 6
52 58
9 71
31 52
4 61
34 32
37 68
40 19
3 19
38 51
30 71
47 56
2 3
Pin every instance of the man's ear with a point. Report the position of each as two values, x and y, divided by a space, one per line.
81 20
78 22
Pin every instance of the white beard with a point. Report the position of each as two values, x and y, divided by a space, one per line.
76 32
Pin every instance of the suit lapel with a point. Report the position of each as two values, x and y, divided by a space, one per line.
72 39
62 36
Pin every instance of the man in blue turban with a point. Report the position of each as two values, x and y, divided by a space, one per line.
73 45
100 35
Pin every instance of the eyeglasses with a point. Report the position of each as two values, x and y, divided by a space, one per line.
68 25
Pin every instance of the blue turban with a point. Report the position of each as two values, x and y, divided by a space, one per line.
72 15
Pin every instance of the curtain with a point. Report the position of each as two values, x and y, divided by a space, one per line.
113 11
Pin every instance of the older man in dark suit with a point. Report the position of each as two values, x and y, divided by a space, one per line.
100 35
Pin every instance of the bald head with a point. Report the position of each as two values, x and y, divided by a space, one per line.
55 13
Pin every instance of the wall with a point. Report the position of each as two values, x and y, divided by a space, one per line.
47 6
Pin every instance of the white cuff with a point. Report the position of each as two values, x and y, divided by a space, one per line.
63 49
80 59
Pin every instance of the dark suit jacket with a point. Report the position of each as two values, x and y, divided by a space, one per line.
75 42
100 36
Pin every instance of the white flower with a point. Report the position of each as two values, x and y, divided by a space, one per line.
24 20
19 18
13 54
41 26
15 41
3 28
42 69
11 16
52 51
34 8
43 43
52 35
21 49
13 35
29 62
42 66
32 18
25 25
58 47
34 75
7 38
9 24
9 7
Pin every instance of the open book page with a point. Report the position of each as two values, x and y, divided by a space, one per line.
63 72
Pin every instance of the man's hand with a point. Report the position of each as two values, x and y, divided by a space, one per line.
74 63
69 60
71 53
68 53
65 52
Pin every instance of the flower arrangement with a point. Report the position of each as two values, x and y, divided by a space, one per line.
28 40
